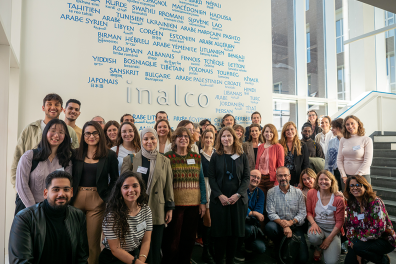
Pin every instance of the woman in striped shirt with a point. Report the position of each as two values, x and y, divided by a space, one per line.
128 223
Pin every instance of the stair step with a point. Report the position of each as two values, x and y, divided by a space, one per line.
383 181
384 145
390 207
383 171
384 153
391 139
384 161
385 193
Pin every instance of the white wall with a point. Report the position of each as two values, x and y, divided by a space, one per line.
57 56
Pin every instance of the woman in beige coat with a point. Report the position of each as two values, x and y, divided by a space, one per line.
156 172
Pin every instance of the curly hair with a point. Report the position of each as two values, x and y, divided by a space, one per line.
117 211
236 146
178 132
310 172
368 195
136 137
296 141
334 183
274 131
260 139
110 123
361 131
169 136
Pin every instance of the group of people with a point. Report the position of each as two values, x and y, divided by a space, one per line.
109 194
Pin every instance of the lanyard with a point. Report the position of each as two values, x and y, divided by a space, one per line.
230 176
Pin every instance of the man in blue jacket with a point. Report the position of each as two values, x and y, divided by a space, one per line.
254 218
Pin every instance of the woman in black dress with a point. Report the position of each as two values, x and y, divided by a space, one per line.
229 179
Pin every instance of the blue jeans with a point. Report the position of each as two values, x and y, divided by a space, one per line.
275 233
255 243
372 250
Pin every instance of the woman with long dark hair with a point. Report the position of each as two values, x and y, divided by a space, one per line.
128 224
251 146
229 178
368 227
156 172
164 134
52 153
95 171
111 133
314 121
128 142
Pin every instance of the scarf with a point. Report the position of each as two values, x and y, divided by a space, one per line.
150 155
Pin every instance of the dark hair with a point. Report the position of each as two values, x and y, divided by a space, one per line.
52 96
368 195
122 117
160 112
255 113
73 101
224 117
117 211
206 131
203 122
361 130
57 175
136 137
236 146
169 136
101 151
213 127
260 139
235 127
109 144
178 132
306 124
184 123
64 151
337 123
317 119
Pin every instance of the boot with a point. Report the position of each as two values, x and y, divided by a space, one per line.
206 252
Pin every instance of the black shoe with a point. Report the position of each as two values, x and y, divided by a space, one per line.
239 255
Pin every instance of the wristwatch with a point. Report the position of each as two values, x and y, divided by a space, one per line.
239 196
294 222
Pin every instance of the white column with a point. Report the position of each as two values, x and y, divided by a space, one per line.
380 51
4 90
301 49
331 52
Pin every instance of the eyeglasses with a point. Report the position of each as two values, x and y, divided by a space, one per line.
357 186
255 177
311 115
89 134
99 122
183 136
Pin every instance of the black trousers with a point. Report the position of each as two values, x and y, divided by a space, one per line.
227 246
372 250
154 256
106 257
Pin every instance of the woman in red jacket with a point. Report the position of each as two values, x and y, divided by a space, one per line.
325 213
270 156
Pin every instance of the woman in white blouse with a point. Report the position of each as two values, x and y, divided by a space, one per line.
324 137
128 142
164 134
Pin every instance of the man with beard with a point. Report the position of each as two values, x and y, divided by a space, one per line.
72 112
286 212
31 135
315 150
51 231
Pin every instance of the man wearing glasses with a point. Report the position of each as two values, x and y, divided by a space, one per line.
254 218
50 231
100 120
286 212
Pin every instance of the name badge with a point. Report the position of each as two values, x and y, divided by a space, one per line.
142 170
191 161
61 169
356 148
332 208
235 156
360 216
141 226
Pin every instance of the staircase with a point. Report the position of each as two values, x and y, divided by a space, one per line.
383 171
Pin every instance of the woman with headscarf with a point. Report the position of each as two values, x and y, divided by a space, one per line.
156 172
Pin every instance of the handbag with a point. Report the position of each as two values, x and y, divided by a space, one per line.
289 249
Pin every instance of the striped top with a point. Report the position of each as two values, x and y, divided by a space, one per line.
138 225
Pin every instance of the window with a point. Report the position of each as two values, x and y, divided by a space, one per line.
283 112
391 71
339 36
306 5
389 20
308 47
320 108
278 87
309 84
341 83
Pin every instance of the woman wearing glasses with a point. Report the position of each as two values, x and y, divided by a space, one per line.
190 199
95 171
229 178
368 227
314 120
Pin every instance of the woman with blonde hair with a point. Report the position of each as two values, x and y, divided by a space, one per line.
296 152
325 213
270 156
229 178
307 181
324 137
355 152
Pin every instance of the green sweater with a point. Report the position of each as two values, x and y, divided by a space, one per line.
188 180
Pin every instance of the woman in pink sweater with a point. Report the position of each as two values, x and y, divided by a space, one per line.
355 153
325 213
